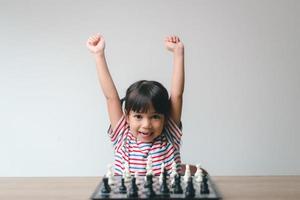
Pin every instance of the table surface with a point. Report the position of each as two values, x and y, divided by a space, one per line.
69 188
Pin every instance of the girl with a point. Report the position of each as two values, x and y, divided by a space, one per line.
150 125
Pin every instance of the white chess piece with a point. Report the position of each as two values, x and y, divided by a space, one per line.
173 172
110 174
187 173
198 174
149 167
161 173
136 176
126 173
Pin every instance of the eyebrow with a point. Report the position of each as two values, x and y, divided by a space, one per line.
145 113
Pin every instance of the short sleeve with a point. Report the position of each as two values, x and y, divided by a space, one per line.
174 133
119 132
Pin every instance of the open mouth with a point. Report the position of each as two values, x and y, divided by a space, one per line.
145 134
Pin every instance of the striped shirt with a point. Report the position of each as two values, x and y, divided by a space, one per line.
127 149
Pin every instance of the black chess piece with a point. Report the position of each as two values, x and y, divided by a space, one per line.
177 185
122 188
105 186
148 180
164 186
204 186
149 187
190 190
133 192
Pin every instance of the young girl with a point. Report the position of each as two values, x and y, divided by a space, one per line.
150 126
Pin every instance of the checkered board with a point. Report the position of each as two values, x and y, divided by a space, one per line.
116 195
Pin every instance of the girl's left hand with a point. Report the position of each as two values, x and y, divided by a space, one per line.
173 43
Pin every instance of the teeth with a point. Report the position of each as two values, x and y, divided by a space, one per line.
145 133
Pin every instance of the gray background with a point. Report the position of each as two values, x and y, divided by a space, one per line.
241 100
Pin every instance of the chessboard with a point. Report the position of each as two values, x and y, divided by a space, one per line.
107 191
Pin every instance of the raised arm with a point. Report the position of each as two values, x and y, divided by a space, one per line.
96 45
174 45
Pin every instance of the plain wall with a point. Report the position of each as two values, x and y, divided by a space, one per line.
241 101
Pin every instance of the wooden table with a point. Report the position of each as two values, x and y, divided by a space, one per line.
231 187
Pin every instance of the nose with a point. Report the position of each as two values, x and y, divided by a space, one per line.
147 123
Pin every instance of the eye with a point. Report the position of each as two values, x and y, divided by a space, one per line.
156 117
138 117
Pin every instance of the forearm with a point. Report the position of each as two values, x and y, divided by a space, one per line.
177 86
105 79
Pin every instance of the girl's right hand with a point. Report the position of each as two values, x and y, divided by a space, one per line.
96 44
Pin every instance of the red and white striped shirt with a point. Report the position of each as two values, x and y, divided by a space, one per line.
164 149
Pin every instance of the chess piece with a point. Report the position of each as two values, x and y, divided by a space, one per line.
149 186
122 188
149 167
133 192
190 190
187 173
204 186
177 185
148 180
164 186
105 186
173 173
126 173
173 181
198 174
161 173
136 175
110 175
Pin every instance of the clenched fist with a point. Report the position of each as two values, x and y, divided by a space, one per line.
173 44
96 44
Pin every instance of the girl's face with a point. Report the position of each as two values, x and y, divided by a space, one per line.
146 126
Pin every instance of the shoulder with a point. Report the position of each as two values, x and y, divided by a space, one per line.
120 128
173 132
170 123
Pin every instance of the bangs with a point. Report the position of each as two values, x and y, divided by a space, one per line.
141 95
139 103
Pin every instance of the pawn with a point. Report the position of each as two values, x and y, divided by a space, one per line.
122 188
105 189
133 192
204 186
190 190
177 185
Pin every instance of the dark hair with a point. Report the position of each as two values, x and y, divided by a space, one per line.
142 94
